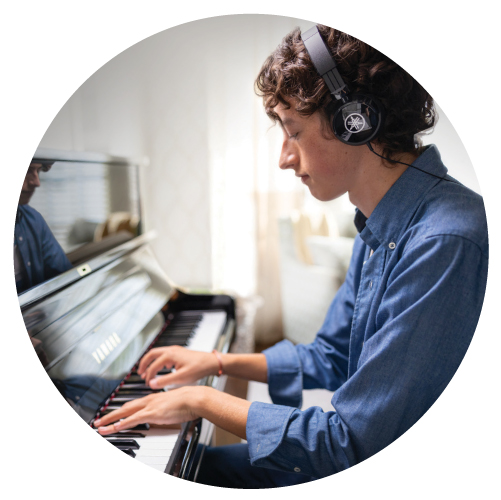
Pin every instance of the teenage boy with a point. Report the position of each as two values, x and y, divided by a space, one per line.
400 325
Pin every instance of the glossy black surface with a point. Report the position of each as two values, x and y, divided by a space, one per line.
89 335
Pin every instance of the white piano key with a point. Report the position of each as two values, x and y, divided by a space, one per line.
207 331
156 447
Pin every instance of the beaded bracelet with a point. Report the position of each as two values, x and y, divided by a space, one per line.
220 362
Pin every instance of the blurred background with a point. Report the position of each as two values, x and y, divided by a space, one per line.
227 219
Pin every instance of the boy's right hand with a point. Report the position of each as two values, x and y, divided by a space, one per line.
189 366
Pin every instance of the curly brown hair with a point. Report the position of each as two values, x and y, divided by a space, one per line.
288 73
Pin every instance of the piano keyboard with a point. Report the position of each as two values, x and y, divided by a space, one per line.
151 447
196 330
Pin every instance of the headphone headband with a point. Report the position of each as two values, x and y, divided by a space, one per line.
324 63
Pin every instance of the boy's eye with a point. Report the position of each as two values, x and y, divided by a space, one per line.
293 136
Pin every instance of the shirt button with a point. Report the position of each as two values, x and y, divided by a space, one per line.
29 263
297 469
392 245
20 238
370 285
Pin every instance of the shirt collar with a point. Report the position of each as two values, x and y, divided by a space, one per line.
393 213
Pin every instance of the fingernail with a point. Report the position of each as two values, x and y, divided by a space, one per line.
154 384
97 423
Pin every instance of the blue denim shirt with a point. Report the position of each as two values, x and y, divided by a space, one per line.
41 255
394 335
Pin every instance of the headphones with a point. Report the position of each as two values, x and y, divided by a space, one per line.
358 118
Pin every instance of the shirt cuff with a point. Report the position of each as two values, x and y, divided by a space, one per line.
266 429
285 374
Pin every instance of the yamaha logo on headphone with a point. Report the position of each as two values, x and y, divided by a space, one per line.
355 123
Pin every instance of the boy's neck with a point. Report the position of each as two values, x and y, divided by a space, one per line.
376 176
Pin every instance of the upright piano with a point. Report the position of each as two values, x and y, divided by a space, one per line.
91 325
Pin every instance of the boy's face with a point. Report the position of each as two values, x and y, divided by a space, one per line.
327 166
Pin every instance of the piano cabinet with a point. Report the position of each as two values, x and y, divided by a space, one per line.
91 325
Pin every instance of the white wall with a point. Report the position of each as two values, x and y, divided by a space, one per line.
453 152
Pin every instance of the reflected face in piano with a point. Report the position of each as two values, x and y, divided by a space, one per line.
32 181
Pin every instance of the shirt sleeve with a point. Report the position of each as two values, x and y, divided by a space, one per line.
55 260
425 323
324 362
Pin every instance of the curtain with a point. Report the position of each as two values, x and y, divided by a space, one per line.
248 191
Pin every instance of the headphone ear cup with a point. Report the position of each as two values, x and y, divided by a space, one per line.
358 121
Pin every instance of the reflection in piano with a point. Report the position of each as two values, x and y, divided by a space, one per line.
91 325
38 256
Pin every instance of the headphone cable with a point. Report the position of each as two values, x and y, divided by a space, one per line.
408 164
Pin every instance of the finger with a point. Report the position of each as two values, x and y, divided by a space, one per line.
150 356
164 361
177 377
126 410
127 423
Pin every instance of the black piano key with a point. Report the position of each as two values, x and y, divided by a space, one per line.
185 330
112 407
128 451
179 326
174 339
179 337
180 320
139 391
123 443
105 412
129 395
126 398
126 434
169 343
133 378
186 326
136 378
134 386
